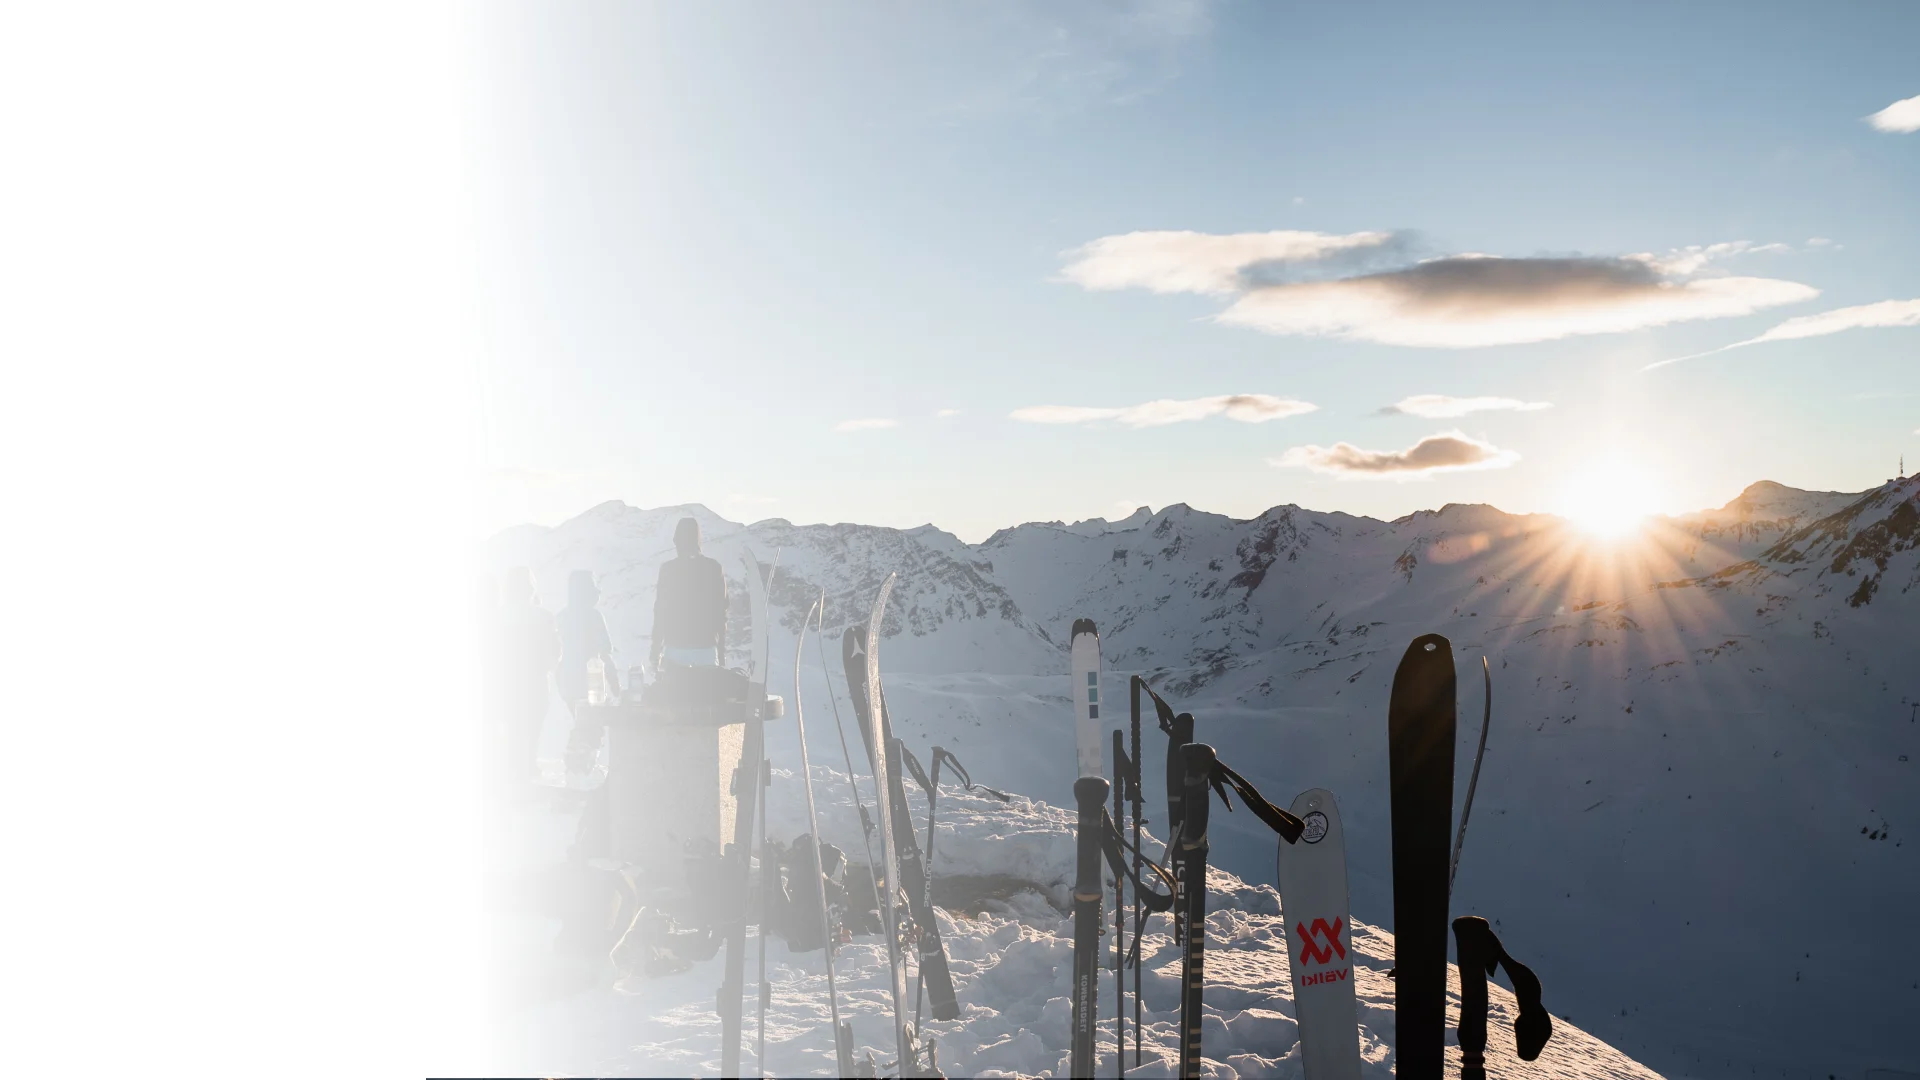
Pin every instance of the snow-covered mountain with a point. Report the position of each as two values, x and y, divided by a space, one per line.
1698 786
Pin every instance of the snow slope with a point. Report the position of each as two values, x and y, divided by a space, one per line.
1699 766
1012 964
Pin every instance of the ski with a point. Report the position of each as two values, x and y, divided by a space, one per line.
1420 735
1486 718
1090 796
906 857
875 734
842 1033
747 779
1312 875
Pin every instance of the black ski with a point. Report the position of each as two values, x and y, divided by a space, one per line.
910 874
1420 734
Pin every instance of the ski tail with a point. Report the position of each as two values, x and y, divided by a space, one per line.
1420 737
1085 652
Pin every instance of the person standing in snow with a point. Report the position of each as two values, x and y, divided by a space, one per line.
583 639
690 604
527 648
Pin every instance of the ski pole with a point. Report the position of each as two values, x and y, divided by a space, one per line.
1090 794
1197 766
1134 783
933 795
1119 913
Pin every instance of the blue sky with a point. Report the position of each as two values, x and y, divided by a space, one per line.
711 236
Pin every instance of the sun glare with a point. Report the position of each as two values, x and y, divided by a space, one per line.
1610 498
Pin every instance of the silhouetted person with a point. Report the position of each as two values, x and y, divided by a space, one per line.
526 649
583 638
689 604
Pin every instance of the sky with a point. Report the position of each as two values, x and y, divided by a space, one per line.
977 265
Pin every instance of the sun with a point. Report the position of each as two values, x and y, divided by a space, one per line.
1610 498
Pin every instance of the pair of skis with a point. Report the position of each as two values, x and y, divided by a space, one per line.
1421 726
899 854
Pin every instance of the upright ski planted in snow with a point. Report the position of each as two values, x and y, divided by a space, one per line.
884 780
905 862
842 1033
1313 896
1420 734
1090 795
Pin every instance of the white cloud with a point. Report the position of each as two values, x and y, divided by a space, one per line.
866 424
1819 241
1440 406
1449 451
1191 262
1901 117
1246 408
1362 286
1696 257
1865 316
1471 301
948 412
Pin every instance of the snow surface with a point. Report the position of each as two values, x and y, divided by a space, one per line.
1698 788
1011 963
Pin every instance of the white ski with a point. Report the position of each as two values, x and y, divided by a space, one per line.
1086 697
842 1037
1313 901
877 737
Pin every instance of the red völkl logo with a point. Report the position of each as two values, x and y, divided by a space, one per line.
1313 953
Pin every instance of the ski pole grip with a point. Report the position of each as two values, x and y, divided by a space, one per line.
1090 793
1198 759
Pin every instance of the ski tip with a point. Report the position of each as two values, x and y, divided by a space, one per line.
1084 626
1429 643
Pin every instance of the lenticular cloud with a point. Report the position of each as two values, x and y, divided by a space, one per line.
1364 286
1447 452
